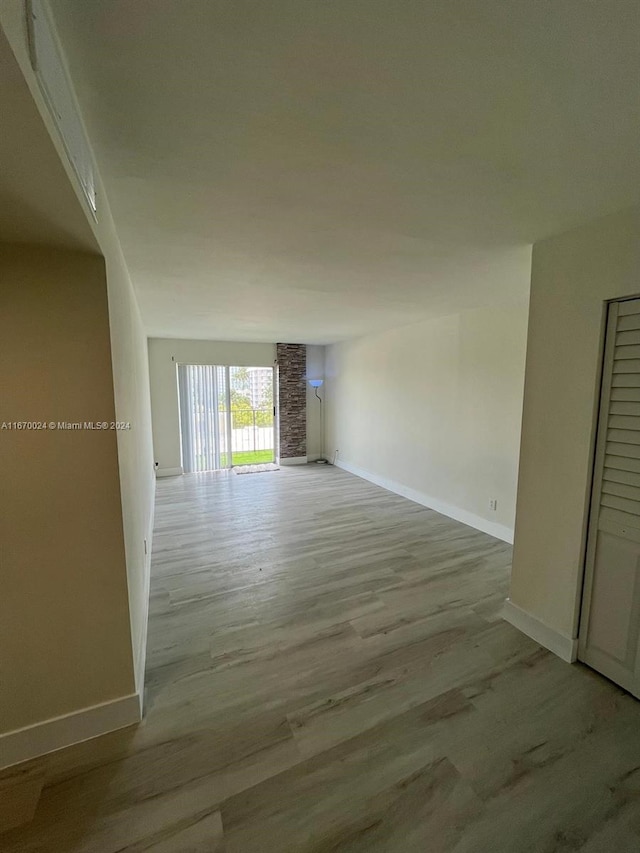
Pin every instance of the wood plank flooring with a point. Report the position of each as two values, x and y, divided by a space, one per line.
328 671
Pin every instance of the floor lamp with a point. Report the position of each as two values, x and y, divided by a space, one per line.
315 384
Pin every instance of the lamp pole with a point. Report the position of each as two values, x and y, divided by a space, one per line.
315 384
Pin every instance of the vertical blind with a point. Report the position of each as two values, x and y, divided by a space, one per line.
203 414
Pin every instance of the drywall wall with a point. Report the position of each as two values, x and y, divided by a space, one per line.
66 639
432 411
164 354
573 274
130 362
315 370
129 357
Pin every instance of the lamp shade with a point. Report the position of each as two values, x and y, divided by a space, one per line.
316 383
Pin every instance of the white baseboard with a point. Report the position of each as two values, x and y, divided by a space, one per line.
565 647
169 472
499 531
60 732
294 460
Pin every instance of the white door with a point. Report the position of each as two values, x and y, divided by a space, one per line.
610 623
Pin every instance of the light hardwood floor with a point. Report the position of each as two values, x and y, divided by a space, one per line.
328 671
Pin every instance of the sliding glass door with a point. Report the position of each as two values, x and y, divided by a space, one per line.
227 416
252 415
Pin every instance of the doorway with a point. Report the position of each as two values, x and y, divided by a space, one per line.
227 416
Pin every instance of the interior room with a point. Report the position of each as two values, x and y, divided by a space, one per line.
320 428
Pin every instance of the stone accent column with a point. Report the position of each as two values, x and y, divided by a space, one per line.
292 400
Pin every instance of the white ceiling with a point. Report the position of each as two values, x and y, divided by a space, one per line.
310 170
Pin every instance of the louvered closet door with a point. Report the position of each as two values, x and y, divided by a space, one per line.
610 624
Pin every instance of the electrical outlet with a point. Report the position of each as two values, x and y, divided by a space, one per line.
493 504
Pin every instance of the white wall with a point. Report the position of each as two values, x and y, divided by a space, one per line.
572 276
135 449
164 355
433 411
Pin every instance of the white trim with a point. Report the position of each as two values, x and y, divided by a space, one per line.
294 460
169 472
60 732
565 647
500 531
